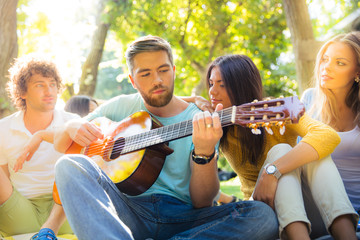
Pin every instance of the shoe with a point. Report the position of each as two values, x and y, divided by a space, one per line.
44 234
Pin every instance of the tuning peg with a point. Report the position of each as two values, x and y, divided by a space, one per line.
254 129
282 130
281 124
267 128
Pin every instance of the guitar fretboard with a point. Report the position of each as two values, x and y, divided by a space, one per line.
171 132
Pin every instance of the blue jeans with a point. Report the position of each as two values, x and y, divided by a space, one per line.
96 209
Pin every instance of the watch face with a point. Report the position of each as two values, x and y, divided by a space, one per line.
271 169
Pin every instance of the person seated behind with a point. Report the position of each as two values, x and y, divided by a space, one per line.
335 101
81 105
296 168
26 202
180 202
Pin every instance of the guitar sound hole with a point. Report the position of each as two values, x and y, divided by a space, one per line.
117 149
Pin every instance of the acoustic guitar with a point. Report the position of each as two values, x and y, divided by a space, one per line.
133 150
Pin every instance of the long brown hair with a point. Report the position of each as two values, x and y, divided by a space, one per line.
324 98
243 84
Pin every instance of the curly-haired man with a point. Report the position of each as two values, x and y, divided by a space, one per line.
26 203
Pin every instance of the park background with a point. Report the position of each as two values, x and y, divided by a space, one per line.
87 40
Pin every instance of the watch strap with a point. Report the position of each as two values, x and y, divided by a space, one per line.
276 173
202 159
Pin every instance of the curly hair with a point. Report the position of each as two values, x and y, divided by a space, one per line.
21 72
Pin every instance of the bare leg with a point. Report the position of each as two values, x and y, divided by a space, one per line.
6 187
225 198
343 228
56 218
297 230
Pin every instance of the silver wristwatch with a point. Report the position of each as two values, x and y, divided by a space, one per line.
271 169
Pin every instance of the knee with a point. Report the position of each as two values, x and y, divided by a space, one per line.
68 166
277 151
62 163
268 211
269 221
265 213
281 147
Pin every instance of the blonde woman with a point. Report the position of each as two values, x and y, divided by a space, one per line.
335 100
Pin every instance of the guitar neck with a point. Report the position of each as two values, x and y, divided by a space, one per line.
171 132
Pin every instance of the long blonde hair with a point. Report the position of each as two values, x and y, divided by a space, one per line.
324 99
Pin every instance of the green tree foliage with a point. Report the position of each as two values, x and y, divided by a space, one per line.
326 15
201 30
30 29
112 79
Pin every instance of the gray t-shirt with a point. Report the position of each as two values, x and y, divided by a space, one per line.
346 156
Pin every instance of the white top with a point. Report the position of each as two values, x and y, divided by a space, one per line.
347 159
37 175
346 155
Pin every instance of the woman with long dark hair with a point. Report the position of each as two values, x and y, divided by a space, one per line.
280 168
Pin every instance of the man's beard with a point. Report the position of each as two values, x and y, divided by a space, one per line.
158 101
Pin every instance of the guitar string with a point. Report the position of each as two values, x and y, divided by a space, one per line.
154 135
137 141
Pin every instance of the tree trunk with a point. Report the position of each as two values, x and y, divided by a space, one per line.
90 68
9 49
201 86
302 37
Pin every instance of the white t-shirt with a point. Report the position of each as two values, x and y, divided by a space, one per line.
37 175
346 155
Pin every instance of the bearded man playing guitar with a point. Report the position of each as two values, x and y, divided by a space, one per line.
179 203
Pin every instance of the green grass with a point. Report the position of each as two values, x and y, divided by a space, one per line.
232 187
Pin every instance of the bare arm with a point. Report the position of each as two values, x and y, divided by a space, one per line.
319 140
204 182
31 147
300 155
6 188
78 130
5 170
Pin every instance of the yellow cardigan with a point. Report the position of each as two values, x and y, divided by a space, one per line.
319 135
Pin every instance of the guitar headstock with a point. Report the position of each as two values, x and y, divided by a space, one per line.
269 112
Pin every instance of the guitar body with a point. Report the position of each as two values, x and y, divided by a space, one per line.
133 151
134 172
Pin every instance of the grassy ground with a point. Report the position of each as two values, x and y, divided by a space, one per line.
231 187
